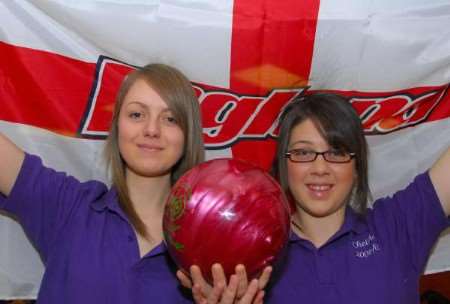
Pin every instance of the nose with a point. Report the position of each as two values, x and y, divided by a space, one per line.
152 127
320 166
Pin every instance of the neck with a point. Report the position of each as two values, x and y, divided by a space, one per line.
148 195
318 230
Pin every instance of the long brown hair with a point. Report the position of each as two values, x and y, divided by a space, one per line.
340 126
176 90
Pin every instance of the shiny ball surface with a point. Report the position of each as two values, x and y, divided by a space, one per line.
229 212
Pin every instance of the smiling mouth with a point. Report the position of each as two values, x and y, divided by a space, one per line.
150 148
319 190
316 187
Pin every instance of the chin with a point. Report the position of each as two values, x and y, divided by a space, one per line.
153 171
322 214
156 173
331 212
318 212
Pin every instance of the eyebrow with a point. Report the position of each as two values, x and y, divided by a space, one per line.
143 105
136 102
301 142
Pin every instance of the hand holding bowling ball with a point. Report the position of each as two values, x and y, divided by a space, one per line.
228 212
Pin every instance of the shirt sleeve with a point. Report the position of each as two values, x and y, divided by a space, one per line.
44 201
414 217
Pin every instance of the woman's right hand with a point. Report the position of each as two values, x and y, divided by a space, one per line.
238 290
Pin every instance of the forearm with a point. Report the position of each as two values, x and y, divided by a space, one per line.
11 159
440 176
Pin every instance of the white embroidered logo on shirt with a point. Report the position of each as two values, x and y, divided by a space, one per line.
367 247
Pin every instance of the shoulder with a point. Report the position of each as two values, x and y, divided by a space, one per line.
38 179
418 190
414 210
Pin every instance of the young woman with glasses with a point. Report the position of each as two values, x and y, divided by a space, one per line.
340 251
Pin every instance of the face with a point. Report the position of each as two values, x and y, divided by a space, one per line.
150 140
320 188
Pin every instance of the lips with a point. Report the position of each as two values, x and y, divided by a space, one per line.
150 147
319 191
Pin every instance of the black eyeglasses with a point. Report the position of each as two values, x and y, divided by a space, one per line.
331 156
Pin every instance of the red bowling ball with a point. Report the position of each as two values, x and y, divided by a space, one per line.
229 212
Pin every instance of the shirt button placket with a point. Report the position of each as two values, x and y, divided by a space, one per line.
325 276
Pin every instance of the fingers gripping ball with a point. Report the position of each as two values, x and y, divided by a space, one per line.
229 212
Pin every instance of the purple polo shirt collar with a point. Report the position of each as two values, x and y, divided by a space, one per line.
352 224
110 203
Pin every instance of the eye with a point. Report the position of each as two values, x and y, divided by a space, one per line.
135 115
302 152
170 119
338 153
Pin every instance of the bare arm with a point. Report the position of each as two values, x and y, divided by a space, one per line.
440 177
11 159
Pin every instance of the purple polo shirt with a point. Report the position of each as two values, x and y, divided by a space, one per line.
373 260
86 242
